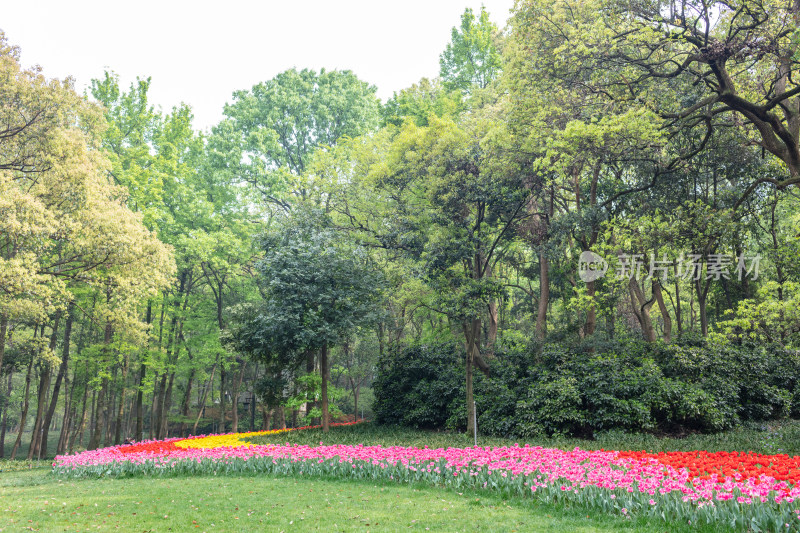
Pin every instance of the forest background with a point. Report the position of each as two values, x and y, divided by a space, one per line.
320 253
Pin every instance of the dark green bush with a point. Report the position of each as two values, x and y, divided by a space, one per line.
630 385
416 386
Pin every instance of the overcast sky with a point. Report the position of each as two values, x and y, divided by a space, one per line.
199 55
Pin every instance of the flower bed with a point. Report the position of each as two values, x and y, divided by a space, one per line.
742 490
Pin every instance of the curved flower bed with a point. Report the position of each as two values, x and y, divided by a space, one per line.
742 490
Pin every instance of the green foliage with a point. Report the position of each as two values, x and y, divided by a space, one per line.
419 102
271 131
316 290
417 385
471 58
581 391
309 389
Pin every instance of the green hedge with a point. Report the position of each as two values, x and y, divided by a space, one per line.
578 391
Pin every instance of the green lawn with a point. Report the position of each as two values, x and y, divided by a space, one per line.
34 500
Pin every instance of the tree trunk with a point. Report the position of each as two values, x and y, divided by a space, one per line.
111 402
641 308
282 416
310 367
154 406
139 433
265 416
472 331
164 430
205 396
235 397
186 403
678 313
222 374
356 392
62 374
662 307
702 293
118 430
3 332
100 410
44 389
544 295
4 423
325 372
591 313
24 415
79 429
491 336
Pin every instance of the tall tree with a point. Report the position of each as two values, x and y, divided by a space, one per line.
472 58
272 130
317 292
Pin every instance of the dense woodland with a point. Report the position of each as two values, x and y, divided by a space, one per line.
321 254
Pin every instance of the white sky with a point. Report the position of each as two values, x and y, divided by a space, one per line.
200 52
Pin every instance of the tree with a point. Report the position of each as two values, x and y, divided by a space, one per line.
472 57
272 130
317 292
698 64
420 101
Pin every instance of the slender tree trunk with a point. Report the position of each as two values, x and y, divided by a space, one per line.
282 416
109 420
118 430
222 374
265 417
62 374
678 307
44 389
154 407
100 410
186 403
662 307
309 369
641 308
24 414
205 396
3 332
91 415
172 346
139 433
702 293
253 400
69 409
167 406
235 398
6 408
80 428
491 336
544 295
591 313
356 392
325 372
472 333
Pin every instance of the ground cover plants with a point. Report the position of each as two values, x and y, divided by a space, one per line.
739 490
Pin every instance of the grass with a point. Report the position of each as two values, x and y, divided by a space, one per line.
769 438
35 500
31 498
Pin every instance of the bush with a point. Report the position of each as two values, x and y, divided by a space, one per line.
416 386
579 391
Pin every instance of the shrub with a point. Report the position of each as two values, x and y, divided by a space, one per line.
628 385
